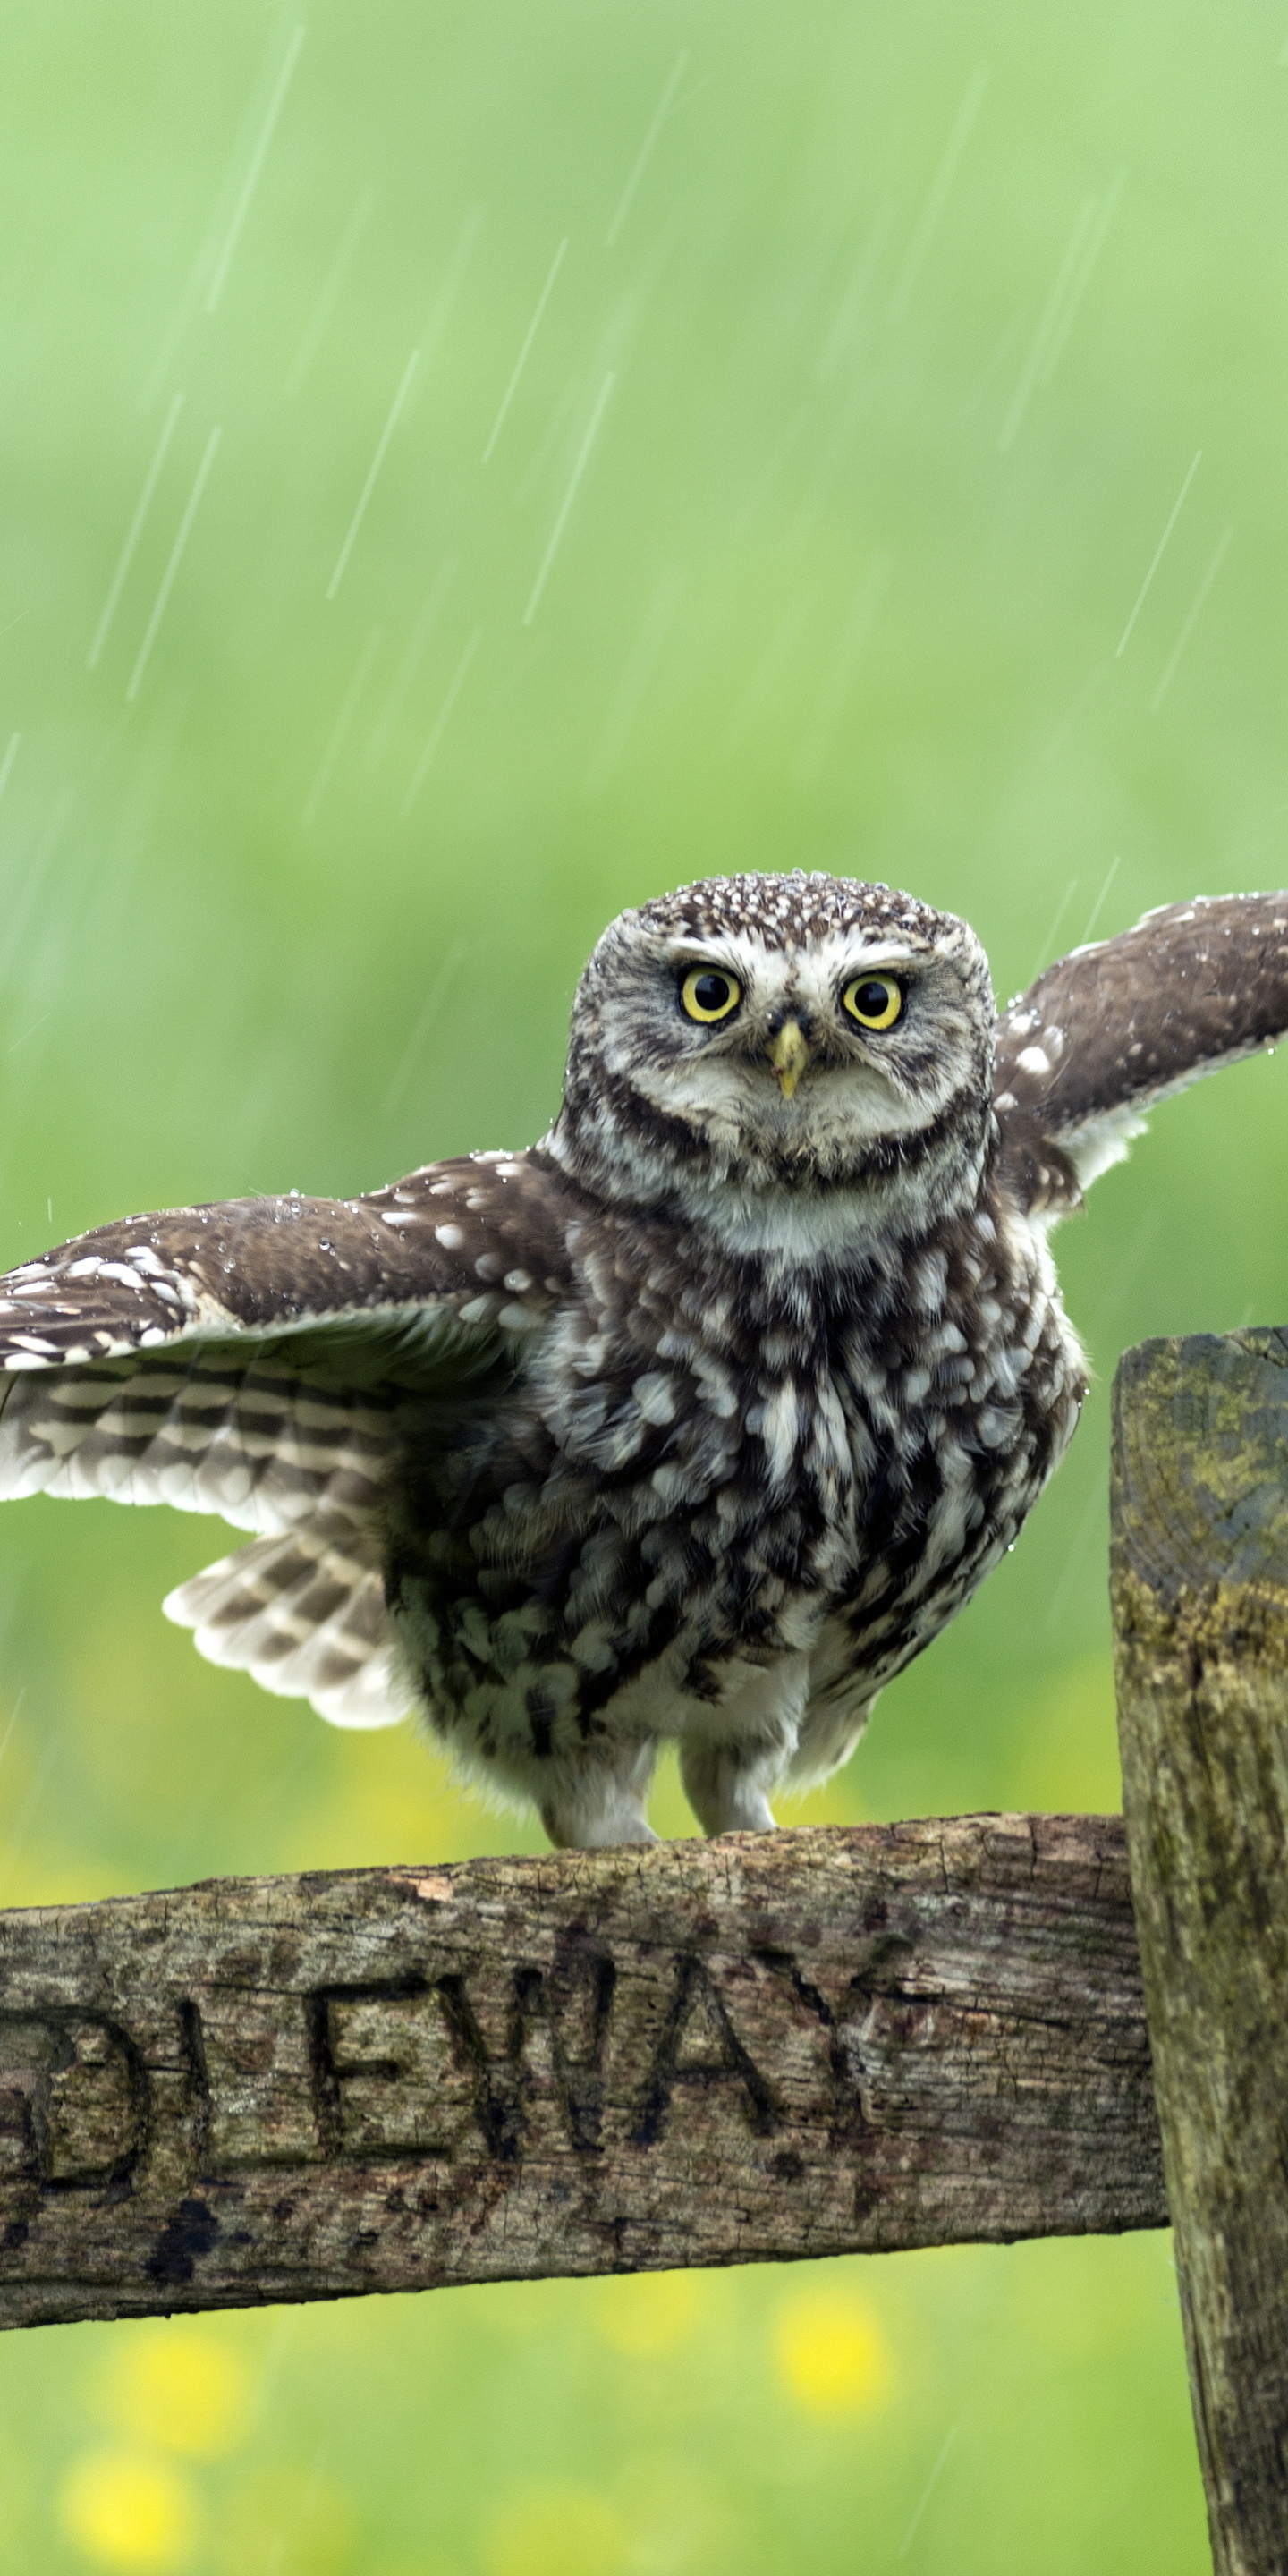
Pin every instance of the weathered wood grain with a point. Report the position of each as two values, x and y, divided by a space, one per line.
765 2046
1200 1582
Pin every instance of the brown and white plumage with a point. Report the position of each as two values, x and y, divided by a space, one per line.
1110 1030
268 1360
698 1419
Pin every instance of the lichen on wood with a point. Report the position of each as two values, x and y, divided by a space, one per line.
1200 1589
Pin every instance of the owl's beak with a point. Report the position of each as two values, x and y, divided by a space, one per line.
789 1055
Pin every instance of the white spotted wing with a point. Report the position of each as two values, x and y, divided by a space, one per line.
1112 1029
270 1361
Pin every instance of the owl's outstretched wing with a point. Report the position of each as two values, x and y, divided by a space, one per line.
270 1360
1110 1030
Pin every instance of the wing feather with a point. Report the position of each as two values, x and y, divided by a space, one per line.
220 1431
272 1361
305 1616
1112 1029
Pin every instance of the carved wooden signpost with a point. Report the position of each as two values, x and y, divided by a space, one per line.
702 2053
821 2042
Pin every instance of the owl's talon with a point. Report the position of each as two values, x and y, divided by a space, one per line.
603 1805
726 1796
574 1827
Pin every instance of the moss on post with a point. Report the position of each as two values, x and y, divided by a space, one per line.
1200 1592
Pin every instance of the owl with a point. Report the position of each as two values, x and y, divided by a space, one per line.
696 1420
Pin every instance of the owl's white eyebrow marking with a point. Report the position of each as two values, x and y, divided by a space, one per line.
696 951
878 952
812 972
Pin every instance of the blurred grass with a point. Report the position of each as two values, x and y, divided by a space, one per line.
915 321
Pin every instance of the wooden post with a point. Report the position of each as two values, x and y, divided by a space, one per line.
1200 1590
770 2045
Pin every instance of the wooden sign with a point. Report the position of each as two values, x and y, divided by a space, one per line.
806 2043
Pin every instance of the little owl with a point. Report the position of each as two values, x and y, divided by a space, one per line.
700 1418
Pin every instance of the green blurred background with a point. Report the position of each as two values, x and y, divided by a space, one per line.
880 345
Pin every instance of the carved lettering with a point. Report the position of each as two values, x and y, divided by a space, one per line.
543 2068
386 2073
386 2079
844 2018
256 2065
431 2067
412 2070
698 2048
73 2100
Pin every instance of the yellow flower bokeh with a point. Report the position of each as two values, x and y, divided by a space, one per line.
831 2353
125 2510
183 2389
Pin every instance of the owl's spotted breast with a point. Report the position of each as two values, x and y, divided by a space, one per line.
708 1464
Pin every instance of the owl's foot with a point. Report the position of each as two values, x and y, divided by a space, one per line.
593 1808
577 1823
724 1790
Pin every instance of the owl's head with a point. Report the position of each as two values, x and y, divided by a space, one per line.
762 1034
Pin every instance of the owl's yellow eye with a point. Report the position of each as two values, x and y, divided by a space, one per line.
875 1001
707 993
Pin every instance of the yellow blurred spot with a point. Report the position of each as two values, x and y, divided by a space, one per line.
184 2390
124 2511
555 2531
648 2312
831 2353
